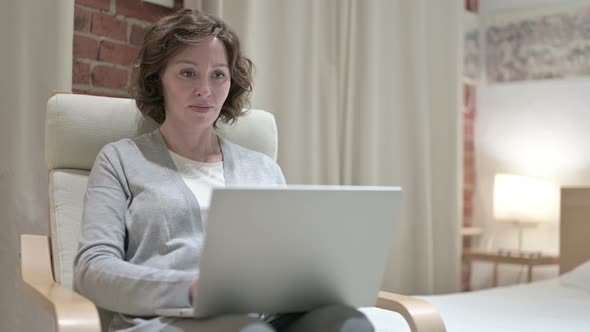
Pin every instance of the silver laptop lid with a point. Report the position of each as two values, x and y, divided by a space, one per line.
295 248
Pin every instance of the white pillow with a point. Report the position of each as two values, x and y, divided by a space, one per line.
578 277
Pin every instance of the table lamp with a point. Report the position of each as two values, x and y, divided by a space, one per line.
525 202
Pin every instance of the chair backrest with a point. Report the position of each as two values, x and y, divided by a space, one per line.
78 126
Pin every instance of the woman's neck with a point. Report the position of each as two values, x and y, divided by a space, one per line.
196 144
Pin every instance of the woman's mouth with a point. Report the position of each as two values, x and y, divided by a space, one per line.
201 108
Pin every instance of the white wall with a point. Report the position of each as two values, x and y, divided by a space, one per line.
535 128
36 59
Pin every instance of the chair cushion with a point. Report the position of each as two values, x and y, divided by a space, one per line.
78 126
67 189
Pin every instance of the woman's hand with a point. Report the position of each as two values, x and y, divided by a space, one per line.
190 290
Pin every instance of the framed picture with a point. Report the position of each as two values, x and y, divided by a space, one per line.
537 44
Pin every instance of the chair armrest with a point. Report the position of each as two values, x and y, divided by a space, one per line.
71 311
420 315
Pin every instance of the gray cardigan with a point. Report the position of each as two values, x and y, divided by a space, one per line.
141 233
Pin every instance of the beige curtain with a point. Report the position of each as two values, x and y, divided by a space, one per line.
36 60
367 92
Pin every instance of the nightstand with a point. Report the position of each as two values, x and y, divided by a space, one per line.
497 258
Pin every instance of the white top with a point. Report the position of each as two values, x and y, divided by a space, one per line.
200 178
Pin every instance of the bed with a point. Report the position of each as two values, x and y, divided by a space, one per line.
559 304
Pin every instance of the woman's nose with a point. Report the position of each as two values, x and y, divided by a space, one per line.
202 88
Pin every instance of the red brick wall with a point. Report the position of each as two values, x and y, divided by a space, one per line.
472 5
469 111
468 153
107 37
469 104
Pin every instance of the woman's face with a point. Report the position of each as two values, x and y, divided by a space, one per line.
195 84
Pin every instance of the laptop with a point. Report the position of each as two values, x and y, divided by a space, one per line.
285 249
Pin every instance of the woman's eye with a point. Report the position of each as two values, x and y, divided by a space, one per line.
187 73
218 75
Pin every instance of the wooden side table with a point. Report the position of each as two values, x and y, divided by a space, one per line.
496 258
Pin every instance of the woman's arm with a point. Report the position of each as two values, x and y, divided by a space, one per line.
100 270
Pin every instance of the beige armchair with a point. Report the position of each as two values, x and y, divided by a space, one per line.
76 129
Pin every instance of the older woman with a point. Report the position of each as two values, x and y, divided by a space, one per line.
142 229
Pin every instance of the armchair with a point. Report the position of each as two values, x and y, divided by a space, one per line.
77 126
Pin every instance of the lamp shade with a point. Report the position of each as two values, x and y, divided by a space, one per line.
525 200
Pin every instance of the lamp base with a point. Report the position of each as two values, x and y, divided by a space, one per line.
521 226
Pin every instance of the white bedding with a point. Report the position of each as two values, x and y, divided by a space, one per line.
540 306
